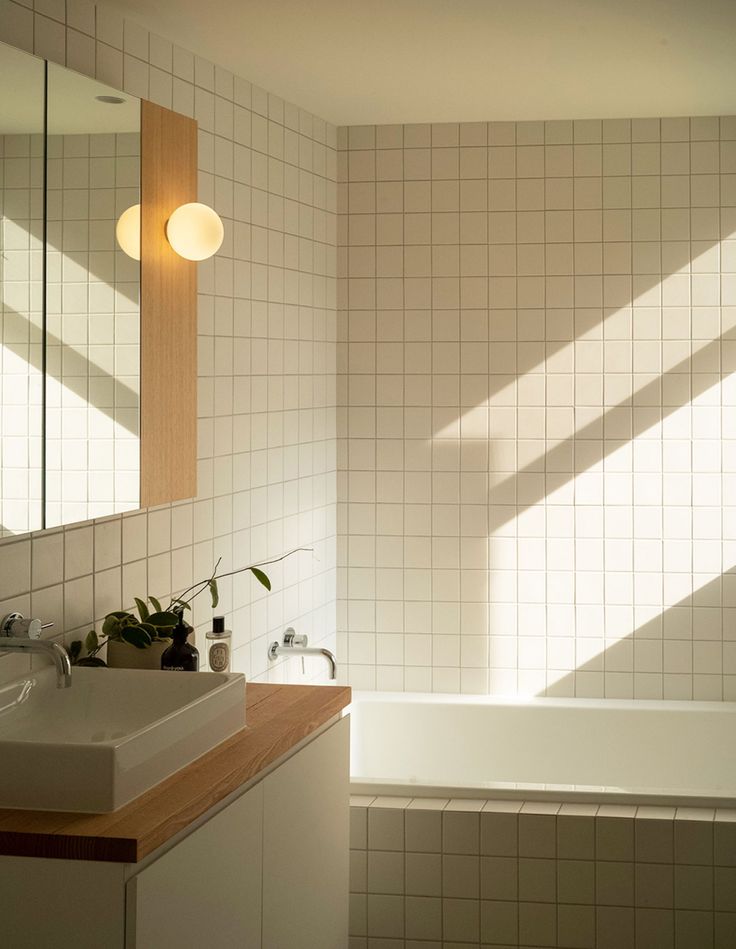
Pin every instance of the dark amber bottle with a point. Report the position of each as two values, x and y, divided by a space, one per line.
181 656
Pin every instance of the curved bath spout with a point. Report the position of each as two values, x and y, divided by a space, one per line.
290 648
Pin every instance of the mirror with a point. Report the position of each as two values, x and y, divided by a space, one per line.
69 443
78 348
21 292
92 301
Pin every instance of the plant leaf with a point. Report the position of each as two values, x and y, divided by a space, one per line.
74 650
163 618
111 626
92 661
214 592
157 634
183 604
136 636
261 577
91 642
142 608
156 603
113 621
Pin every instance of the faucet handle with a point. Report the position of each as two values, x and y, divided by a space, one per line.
16 626
292 638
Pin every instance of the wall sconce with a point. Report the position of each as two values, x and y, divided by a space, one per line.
128 231
194 231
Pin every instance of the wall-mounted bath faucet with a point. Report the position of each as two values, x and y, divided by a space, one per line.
295 644
23 635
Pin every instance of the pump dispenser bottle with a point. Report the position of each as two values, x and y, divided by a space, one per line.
181 656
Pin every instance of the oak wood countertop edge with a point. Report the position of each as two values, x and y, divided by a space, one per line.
278 718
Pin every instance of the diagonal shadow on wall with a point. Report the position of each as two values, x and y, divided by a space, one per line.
598 445
560 458
120 393
697 373
677 654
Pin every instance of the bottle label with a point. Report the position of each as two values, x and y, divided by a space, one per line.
219 656
173 668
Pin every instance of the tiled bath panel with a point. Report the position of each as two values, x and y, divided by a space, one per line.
444 874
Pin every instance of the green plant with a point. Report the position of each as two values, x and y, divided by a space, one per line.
155 626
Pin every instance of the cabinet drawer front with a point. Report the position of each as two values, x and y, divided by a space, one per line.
205 891
305 846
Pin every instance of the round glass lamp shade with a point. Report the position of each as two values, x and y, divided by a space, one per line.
128 231
195 231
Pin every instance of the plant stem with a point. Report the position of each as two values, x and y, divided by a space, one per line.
98 647
203 584
200 583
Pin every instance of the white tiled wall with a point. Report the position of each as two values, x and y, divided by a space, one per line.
266 361
536 402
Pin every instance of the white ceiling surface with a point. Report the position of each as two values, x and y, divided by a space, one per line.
73 108
21 111
394 61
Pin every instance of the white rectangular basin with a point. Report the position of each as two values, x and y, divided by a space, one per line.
111 736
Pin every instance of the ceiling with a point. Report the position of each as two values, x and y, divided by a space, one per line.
21 113
73 108
386 61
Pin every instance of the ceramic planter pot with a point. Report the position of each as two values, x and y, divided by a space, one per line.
124 656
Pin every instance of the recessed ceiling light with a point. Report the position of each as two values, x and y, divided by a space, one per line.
110 100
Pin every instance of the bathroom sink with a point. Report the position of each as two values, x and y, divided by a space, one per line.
111 736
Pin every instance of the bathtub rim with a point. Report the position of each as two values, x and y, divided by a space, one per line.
540 701
551 793
565 794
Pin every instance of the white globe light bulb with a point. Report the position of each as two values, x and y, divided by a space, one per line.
195 231
128 231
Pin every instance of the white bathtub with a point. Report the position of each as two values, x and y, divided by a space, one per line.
630 752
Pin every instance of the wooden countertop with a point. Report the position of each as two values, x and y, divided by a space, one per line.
278 717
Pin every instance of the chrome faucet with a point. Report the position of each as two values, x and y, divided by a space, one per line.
24 635
295 644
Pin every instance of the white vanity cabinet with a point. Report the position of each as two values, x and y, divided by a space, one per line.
206 890
269 869
306 854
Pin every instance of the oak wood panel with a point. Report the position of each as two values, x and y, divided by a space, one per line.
278 716
168 311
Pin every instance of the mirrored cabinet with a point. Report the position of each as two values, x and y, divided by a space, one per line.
98 314
22 122
92 338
